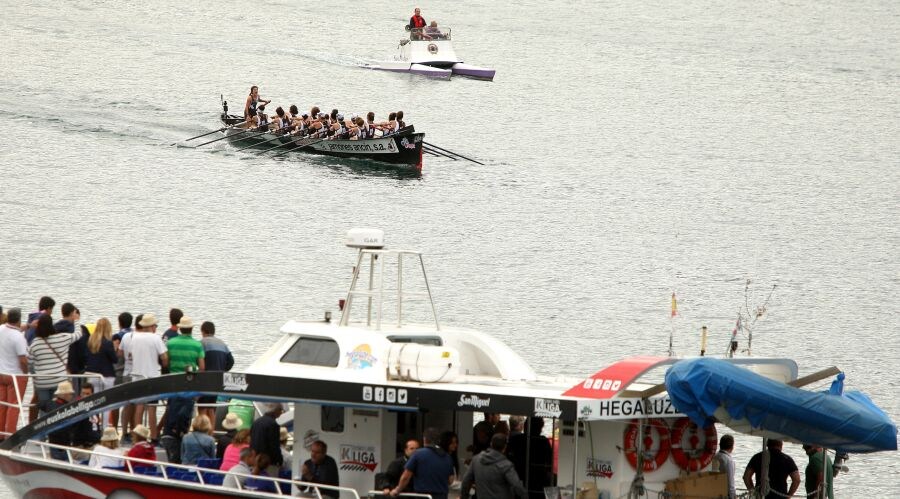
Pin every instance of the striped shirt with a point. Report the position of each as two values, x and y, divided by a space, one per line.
184 351
49 357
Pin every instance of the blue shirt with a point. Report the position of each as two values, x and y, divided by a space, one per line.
431 469
218 356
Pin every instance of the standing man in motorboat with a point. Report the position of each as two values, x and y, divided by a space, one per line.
252 101
416 24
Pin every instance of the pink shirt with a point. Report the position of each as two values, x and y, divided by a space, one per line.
232 456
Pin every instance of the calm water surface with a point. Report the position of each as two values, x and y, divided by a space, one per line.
630 149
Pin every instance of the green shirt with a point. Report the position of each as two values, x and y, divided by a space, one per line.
812 474
184 351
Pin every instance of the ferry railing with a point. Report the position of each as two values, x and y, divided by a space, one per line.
166 470
378 494
28 393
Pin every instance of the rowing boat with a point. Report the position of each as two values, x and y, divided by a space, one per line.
402 149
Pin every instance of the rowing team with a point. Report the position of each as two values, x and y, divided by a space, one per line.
319 125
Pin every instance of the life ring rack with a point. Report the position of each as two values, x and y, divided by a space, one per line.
696 457
653 460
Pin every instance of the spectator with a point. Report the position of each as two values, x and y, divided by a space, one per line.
217 357
123 367
231 455
819 473
450 443
483 431
494 475
48 355
286 457
175 316
231 423
107 453
45 307
87 432
198 444
539 457
101 356
516 425
502 427
142 448
13 360
185 354
429 468
260 484
724 463
148 355
243 467
265 433
781 466
77 349
390 478
63 436
321 468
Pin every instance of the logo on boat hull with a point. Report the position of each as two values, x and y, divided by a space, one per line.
433 48
407 144
361 357
358 458
234 382
599 468
473 401
547 408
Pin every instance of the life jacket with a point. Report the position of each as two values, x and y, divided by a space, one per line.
417 22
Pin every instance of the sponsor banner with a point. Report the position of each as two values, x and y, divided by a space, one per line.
657 407
234 382
607 382
547 408
378 146
361 357
598 468
358 458
474 401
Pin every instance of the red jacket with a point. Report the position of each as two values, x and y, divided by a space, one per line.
416 22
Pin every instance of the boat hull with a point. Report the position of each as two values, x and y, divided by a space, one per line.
402 150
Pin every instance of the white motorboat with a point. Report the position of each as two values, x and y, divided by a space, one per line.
370 380
429 52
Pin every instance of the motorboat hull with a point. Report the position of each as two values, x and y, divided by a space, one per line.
434 58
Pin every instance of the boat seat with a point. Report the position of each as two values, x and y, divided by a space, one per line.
213 478
212 464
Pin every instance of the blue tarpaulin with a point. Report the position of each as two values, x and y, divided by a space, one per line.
848 422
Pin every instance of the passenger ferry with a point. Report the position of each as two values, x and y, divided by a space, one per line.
366 381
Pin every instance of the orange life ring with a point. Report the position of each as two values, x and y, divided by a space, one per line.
693 457
653 459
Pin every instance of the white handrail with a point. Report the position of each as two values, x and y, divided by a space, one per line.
163 467
20 402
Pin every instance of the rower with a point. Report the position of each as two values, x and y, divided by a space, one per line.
263 121
400 122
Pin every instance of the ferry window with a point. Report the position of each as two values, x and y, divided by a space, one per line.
421 340
314 352
332 419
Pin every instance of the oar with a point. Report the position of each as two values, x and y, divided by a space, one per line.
451 152
259 143
235 135
215 131
293 141
436 153
301 147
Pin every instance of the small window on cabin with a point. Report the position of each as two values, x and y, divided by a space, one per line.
332 419
314 352
421 340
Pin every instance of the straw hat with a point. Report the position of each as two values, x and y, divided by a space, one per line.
148 320
232 421
141 431
185 323
64 388
110 435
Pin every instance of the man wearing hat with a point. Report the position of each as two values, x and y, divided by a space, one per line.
148 356
186 354
63 395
